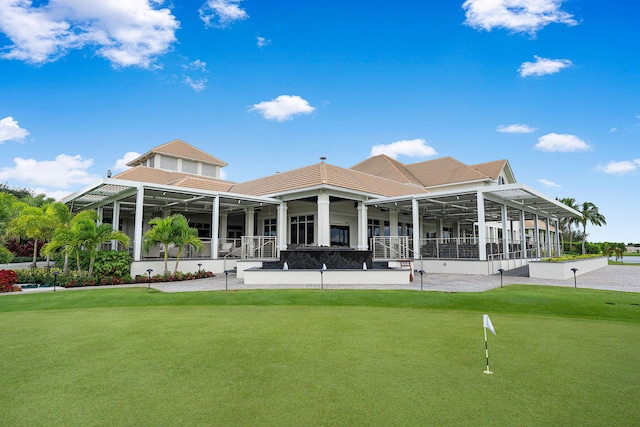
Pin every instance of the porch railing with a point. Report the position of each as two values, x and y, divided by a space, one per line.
391 247
259 247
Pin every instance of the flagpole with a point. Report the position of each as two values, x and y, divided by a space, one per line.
486 351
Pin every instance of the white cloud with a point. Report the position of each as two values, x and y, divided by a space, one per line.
196 65
220 13
121 163
543 66
262 42
548 183
520 16
132 32
11 131
613 129
283 107
63 172
620 168
197 85
410 148
515 128
561 142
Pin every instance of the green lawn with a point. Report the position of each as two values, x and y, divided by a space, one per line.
137 357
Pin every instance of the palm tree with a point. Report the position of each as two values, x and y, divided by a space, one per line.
590 214
85 233
174 230
64 219
186 236
92 235
569 221
162 233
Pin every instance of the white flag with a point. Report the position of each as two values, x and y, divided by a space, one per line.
486 322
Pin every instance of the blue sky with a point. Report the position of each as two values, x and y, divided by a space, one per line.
553 86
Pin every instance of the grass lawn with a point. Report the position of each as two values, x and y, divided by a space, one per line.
134 356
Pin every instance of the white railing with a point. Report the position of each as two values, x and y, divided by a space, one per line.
391 247
259 247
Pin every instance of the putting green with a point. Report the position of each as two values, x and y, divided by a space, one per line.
322 365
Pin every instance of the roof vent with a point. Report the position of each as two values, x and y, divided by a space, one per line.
322 159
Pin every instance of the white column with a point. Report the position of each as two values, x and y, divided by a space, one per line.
536 232
557 240
362 227
505 234
393 222
548 236
415 214
100 212
215 227
137 230
249 221
115 222
324 224
482 228
523 236
281 229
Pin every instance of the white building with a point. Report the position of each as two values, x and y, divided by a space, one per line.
473 218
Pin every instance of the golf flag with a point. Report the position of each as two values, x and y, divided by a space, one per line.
486 322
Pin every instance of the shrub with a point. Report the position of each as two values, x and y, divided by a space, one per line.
8 278
5 255
22 248
113 264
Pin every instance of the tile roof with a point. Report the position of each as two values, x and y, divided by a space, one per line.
179 148
445 170
325 174
387 167
179 179
491 169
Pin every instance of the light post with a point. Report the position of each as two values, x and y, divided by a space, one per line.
322 279
199 266
55 278
575 283
501 270
226 280
149 271
421 273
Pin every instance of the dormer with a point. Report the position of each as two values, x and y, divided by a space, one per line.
178 156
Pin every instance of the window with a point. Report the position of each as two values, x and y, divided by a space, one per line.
209 170
373 228
501 180
270 227
302 230
168 163
189 166
339 235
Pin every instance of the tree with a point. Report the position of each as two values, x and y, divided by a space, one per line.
92 235
568 222
590 214
186 236
174 230
32 223
64 220
86 234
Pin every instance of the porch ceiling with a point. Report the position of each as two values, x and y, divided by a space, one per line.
160 197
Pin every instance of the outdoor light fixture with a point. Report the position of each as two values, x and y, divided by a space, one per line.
421 273
226 280
501 270
199 267
149 271
575 283
55 278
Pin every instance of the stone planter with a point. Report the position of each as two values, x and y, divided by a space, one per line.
562 270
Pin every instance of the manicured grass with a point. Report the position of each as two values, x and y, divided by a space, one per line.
137 357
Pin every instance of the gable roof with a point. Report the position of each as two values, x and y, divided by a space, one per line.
328 175
179 148
445 170
386 167
491 169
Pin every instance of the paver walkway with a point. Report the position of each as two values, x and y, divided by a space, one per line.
613 277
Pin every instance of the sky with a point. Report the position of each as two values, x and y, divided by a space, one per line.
551 85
